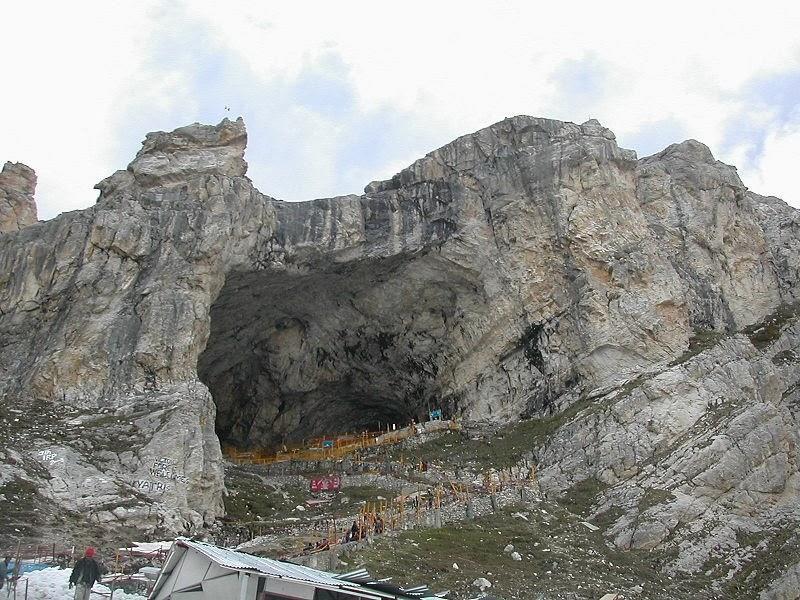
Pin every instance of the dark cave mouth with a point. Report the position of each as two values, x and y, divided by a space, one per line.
350 348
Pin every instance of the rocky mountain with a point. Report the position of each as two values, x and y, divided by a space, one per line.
17 206
533 269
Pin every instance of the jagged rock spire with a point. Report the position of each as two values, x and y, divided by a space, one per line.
17 206
196 149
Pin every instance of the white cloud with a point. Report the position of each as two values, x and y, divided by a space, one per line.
64 67
774 172
89 79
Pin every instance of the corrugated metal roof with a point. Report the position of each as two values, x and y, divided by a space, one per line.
267 566
363 577
419 589
358 576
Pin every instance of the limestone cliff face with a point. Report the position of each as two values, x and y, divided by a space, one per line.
17 206
511 272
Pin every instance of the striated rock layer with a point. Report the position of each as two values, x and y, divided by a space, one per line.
513 272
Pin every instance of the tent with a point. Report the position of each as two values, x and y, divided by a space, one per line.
200 571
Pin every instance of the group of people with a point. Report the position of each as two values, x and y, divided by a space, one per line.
417 501
356 532
360 528
316 546
86 572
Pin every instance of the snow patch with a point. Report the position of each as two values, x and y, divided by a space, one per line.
53 584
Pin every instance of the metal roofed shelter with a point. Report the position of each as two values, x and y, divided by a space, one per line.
200 571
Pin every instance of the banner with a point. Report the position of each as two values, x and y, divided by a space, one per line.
326 483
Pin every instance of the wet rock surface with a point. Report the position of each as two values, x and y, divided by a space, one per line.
532 268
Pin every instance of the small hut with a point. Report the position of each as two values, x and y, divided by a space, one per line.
200 571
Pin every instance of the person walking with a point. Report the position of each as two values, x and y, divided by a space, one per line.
85 574
4 571
354 531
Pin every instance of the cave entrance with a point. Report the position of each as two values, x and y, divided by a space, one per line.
347 348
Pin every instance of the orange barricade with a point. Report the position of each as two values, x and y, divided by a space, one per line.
325 448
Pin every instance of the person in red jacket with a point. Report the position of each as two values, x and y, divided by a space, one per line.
85 574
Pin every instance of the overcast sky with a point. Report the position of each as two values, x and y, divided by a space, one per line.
336 94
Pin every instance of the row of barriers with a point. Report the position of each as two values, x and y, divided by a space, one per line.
339 447
424 507
421 506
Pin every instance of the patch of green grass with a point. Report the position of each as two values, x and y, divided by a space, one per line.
21 510
607 518
428 555
356 495
367 493
761 334
501 451
250 498
28 419
581 496
627 388
104 420
559 557
750 538
785 357
782 550
769 330
115 438
702 340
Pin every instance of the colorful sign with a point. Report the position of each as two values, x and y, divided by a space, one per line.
327 443
326 483
436 415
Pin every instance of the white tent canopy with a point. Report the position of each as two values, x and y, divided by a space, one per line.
199 571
